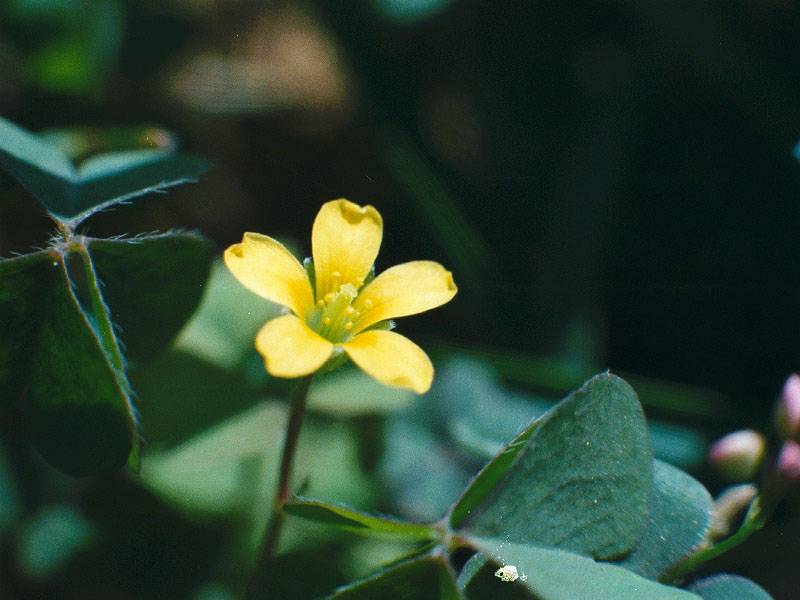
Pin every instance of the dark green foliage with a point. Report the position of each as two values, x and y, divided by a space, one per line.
72 194
158 276
25 282
83 417
425 578
60 356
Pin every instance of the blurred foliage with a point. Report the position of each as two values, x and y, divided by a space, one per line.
613 184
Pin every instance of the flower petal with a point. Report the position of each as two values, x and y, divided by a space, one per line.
391 359
345 239
266 267
406 289
290 348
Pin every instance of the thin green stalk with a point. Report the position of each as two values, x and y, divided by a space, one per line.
278 516
99 310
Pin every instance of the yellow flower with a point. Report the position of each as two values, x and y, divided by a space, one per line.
337 311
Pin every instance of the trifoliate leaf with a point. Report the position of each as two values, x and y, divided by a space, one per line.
579 478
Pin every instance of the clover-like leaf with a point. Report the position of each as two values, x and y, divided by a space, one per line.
579 478
73 194
83 420
421 578
551 574
25 283
729 587
358 522
151 284
677 522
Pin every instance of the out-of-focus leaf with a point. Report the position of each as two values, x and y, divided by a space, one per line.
410 11
78 143
425 578
557 575
9 497
729 587
435 446
584 472
298 576
179 395
232 467
82 415
25 283
677 522
224 327
358 522
71 195
215 591
51 538
420 475
151 284
555 376
41 168
352 393
78 58
677 445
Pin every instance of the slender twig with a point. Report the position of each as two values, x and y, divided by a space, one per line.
278 516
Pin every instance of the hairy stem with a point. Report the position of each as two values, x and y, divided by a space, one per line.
278 516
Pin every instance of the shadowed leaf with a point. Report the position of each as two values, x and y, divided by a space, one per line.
151 285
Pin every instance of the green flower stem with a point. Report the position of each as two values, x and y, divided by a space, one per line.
278 516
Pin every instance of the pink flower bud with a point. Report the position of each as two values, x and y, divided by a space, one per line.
789 461
738 455
787 410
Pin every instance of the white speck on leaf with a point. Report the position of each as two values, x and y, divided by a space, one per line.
507 574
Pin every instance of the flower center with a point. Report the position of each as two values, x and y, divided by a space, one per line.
334 317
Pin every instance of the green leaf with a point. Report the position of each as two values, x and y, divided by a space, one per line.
232 467
223 328
151 285
577 479
10 501
358 522
351 393
25 283
419 472
558 575
424 578
729 587
180 395
71 195
118 177
82 416
51 538
677 523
